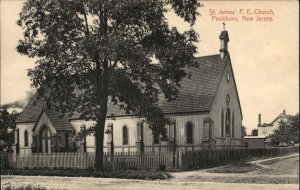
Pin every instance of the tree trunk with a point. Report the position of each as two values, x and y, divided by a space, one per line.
99 134
102 85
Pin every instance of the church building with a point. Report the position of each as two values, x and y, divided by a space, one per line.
207 112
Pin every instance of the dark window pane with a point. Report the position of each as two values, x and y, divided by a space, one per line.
228 122
189 133
26 138
125 135
156 138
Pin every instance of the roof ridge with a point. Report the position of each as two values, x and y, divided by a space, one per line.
195 94
208 56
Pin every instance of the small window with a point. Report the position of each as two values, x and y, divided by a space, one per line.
26 138
189 133
82 127
227 99
155 137
264 130
125 135
227 77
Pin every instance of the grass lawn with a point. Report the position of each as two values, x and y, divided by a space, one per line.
238 167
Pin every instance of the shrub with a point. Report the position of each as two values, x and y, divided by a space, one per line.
162 168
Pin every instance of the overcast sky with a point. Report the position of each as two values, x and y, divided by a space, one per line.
264 54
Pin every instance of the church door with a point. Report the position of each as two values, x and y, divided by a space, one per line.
45 140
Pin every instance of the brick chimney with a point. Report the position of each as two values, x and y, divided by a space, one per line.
283 112
259 119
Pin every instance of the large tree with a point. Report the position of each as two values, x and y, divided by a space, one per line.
91 53
7 126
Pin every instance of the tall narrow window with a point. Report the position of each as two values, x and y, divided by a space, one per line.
189 133
222 124
232 124
67 141
125 135
155 138
264 130
17 141
228 122
26 138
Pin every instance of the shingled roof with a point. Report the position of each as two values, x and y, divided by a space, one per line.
58 121
196 94
31 112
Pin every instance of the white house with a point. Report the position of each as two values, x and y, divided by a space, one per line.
267 129
264 130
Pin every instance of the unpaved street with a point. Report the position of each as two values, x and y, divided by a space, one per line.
71 183
270 178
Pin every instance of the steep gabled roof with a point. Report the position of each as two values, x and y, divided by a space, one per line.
31 111
196 94
59 121
280 116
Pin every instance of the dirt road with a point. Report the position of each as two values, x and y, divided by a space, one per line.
201 179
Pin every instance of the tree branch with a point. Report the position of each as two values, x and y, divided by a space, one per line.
85 19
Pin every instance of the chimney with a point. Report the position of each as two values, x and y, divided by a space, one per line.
259 119
224 38
284 112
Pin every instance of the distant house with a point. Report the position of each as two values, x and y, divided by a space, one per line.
267 129
207 112
264 130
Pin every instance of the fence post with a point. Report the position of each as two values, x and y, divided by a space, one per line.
179 159
174 153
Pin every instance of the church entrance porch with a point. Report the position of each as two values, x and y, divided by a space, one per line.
45 140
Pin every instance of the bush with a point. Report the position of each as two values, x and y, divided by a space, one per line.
162 168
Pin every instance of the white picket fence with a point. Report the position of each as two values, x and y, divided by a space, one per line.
126 160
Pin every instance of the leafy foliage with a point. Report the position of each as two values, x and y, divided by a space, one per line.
91 54
7 128
287 132
254 132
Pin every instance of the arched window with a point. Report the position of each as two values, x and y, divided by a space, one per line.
125 135
228 122
26 138
155 137
189 133
232 124
222 124
45 140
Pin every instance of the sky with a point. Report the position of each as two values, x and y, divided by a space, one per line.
264 54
